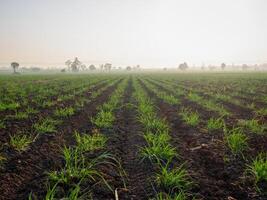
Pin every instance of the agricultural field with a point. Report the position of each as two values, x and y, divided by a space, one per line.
134 136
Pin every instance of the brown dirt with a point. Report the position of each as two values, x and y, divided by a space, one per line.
26 172
25 126
125 142
215 178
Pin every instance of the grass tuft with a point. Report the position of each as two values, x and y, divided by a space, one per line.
20 142
46 125
64 112
190 118
259 168
215 124
90 142
176 179
103 119
254 126
237 141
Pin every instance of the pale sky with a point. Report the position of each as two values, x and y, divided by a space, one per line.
129 32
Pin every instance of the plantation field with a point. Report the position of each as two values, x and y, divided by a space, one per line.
134 136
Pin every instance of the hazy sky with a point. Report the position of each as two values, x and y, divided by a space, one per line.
146 32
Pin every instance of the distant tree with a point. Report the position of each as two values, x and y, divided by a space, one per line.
68 63
128 68
245 67
137 67
15 66
183 66
75 65
83 67
165 69
107 66
92 67
63 70
223 65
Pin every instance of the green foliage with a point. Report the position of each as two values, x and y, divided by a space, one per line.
74 192
222 97
190 118
236 141
64 112
171 180
31 110
215 124
158 148
157 152
78 167
20 115
9 106
2 124
48 104
51 193
2 158
210 105
168 98
251 106
259 168
261 112
20 142
103 119
146 109
46 125
90 142
254 126
194 97
153 124
75 167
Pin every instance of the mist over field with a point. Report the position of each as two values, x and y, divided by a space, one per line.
151 33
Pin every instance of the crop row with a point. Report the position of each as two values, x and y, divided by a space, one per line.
171 181
55 95
84 162
234 136
49 124
225 93
255 125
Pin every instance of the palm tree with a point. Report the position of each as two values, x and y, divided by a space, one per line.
75 65
15 65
